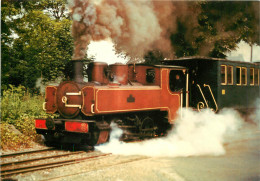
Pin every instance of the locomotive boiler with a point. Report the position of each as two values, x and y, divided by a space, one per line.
143 100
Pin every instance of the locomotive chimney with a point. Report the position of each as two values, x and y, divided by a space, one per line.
77 67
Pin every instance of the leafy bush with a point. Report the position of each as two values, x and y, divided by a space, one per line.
12 140
19 104
19 108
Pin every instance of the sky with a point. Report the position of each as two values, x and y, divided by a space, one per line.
104 52
243 53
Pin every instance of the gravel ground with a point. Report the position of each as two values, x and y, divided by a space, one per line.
113 167
150 169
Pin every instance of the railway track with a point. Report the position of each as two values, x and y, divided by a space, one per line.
100 166
41 162
25 152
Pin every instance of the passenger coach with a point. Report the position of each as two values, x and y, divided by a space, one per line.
218 83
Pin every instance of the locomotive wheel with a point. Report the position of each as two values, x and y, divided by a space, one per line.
100 134
147 128
93 138
163 127
50 140
98 137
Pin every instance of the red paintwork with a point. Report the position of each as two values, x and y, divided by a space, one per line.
76 127
62 91
140 75
97 72
88 100
131 73
115 98
40 124
103 137
50 99
120 73
110 100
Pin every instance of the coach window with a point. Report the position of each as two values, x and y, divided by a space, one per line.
251 76
244 76
230 75
223 74
256 76
238 75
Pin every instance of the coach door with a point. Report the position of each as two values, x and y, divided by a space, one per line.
178 82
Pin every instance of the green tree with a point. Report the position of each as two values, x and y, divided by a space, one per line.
227 23
36 41
219 27
212 28
153 57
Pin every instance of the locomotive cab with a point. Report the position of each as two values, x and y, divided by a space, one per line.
178 82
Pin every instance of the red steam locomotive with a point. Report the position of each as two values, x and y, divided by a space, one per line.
142 99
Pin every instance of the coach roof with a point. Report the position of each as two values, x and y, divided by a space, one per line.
208 58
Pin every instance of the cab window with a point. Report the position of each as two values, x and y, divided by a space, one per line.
177 80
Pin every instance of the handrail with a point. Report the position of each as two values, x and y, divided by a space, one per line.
44 106
187 90
205 85
64 99
181 102
203 95
73 93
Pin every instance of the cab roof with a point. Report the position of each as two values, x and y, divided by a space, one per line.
170 66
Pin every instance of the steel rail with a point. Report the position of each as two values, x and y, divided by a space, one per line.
106 166
39 158
31 168
25 152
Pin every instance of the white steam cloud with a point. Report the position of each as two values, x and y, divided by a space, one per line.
256 115
196 133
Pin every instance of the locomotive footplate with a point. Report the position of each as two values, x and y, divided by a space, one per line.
89 132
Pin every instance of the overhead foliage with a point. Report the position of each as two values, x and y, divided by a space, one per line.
213 28
218 28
